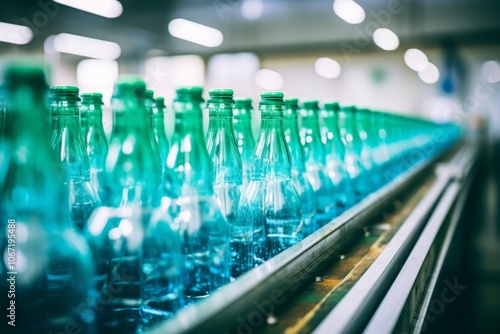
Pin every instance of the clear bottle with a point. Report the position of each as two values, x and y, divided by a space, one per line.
316 163
244 136
50 262
299 175
271 190
95 140
189 190
335 155
73 164
159 130
353 147
228 185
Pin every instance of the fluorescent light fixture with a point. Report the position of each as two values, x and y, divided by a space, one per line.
15 34
268 79
252 9
86 47
430 74
327 68
386 39
105 8
195 32
227 67
349 11
491 71
416 59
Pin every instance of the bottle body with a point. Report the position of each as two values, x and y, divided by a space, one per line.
73 166
271 191
244 137
205 234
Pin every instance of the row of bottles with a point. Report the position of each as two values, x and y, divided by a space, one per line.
160 225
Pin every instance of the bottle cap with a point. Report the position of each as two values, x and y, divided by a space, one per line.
64 93
130 85
160 102
331 106
272 98
189 94
91 98
17 75
310 104
220 95
243 103
292 103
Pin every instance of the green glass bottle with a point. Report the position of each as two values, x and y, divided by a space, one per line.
271 191
335 155
244 136
159 130
299 175
95 140
189 190
132 169
353 148
316 163
228 185
43 257
73 165
150 109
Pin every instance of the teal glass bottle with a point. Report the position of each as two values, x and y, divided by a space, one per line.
244 136
368 172
43 257
353 147
150 109
335 156
159 130
316 163
370 144
133 171
299 175
95 140
228 185
271 191
189 190
73 165
382 151
137 251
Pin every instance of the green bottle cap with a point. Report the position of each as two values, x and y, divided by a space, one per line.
220 95
349 108
272 98
17 75
160 103
292 103
64 93
310 105
243 103
331 106
91 98
189 94
130 85
150 93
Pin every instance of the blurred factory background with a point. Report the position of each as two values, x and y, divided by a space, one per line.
343 50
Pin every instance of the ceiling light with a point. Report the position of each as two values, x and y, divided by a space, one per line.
86 47
195 32
386 39
105 8
268 79
15 34
252 9
491 71
327 68
416 59
349 11
430 74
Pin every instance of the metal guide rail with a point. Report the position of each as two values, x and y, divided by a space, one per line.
252 300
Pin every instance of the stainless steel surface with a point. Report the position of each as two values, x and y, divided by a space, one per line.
266 285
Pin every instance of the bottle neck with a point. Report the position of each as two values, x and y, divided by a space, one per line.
272 156
292 137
